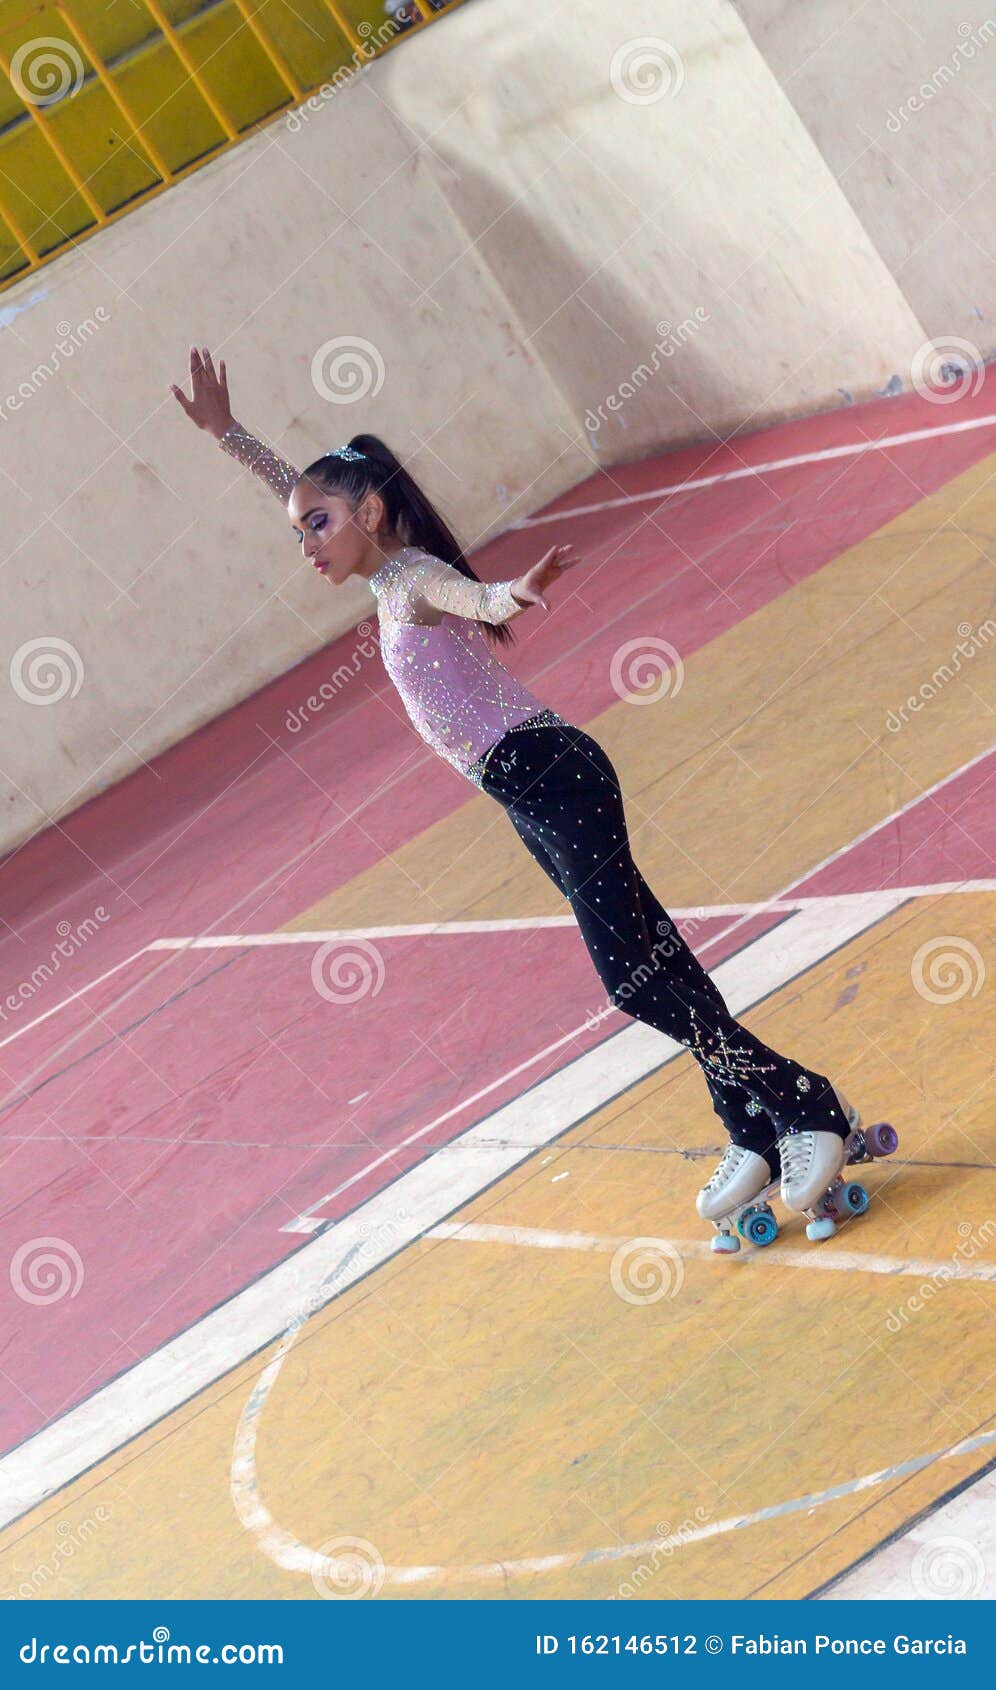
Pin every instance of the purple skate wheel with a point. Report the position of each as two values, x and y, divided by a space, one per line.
881 1139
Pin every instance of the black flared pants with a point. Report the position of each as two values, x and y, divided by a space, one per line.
562 796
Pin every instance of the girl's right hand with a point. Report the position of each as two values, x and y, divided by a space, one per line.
210 408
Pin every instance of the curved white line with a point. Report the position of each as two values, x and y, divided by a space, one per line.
288 1552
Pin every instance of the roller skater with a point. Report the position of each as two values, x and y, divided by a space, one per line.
356 512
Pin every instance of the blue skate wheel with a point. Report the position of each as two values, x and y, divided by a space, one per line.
854 1198
743 1221
825 1227
762 1228
725 1244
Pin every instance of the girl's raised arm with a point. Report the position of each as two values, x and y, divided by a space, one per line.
278 474
210 408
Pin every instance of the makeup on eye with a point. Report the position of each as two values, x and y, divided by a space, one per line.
313 528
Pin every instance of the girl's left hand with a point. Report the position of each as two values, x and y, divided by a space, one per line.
530 587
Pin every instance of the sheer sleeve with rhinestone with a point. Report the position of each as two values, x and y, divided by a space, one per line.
437 586
278 474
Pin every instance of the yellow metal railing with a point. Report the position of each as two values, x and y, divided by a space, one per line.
96 114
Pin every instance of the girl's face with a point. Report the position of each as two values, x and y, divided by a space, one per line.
337 540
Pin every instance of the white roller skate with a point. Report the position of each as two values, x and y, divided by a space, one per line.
736 1196
811 1167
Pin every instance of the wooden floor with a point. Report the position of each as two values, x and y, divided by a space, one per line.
405 1293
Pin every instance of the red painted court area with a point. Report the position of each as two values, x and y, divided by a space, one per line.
172 1119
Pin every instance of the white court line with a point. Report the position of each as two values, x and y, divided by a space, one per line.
825 455
505 924
400 1212
428 930
525 923
699 1249
895 816
89 987
852 845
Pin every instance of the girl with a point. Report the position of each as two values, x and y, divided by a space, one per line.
356 511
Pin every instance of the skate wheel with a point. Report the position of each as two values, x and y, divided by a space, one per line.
725 1244
744 1220
825 1227
881 1139
854 1198
762 1228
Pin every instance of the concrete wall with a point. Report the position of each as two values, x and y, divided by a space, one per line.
709 196
901 102
550 243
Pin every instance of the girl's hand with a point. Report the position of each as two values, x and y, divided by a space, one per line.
209 408
529 588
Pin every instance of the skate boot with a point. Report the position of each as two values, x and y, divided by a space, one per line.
736 1196
812 1163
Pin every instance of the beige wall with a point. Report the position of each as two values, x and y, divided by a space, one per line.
900 99
515 231
711 198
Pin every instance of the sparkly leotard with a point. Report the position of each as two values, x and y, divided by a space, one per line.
459 697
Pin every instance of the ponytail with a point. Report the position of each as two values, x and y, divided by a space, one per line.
410 514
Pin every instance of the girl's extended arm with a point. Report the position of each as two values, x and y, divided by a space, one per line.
437 584
433 585
210 408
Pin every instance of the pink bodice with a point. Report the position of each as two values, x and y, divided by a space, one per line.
459 697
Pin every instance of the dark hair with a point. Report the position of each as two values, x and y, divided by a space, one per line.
410 514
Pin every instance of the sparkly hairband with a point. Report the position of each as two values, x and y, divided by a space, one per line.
350 454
